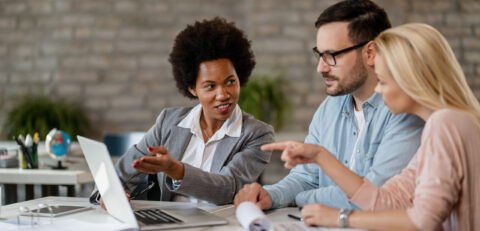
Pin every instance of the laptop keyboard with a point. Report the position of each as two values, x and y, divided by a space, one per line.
155 216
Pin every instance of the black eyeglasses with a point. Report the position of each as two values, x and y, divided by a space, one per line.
142 188
329 57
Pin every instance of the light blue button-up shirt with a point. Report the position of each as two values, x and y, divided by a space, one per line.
386 146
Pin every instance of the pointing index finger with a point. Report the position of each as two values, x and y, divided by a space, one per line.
277 146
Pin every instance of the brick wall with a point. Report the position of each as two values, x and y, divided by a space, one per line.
111 55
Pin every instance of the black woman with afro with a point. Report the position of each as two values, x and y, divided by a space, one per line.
204 153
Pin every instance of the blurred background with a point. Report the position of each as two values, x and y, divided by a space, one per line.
109 58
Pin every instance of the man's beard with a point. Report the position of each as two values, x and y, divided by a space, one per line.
358 78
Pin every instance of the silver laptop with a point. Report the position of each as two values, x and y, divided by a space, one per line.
113 195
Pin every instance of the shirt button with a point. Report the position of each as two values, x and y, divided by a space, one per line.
345 161
358 150
354 133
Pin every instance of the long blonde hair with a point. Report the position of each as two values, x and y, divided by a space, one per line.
425 68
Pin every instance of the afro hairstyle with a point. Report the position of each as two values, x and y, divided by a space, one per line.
209 40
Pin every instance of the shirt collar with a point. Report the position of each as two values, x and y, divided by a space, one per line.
231 127
373 101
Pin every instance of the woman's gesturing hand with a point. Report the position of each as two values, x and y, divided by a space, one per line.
159 160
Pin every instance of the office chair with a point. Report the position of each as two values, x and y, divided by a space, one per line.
119 142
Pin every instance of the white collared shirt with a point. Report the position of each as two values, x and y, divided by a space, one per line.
360 118
200 154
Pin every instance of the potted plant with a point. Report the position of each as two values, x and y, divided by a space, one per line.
41 114
265 98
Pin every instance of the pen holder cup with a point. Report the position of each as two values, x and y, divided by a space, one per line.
8 158
22 162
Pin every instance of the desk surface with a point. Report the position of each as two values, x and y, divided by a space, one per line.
44 176
77 172
99 216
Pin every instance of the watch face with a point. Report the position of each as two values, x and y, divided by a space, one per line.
343 218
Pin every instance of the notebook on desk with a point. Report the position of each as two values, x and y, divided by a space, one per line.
113 195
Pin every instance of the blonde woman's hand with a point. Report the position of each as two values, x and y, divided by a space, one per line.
320 215
294 153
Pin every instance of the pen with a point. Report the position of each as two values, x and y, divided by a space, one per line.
295 217
26 153
36 140
136 193
138 190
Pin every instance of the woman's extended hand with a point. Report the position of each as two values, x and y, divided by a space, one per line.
294 153
159 160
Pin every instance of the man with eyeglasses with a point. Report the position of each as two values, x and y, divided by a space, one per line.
353 123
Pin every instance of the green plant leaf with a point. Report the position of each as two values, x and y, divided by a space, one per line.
264 97
41 114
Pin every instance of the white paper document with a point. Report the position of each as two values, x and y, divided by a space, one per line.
252 218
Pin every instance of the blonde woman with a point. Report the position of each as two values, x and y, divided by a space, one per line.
439 189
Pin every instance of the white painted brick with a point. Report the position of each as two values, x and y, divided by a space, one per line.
140 46
151 61
93 6
433 6
40 7
96 103
26 23
69 90
103 33
62 6
14 7
431 18
62 48
267 30
156 103
104 89
83 33
46 63
117 77
35 77
125 6
102 47
471 43
3 79
21 51
14 90
278 45
147 76
472 57
462 19
22 64
128 116
7 23
124 63
76 77
127 101
472 6
155 7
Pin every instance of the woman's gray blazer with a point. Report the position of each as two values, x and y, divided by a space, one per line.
237 160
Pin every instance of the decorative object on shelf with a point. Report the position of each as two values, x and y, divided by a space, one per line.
41 114
57 144
265 97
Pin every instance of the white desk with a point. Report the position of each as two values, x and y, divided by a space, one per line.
100 217
76 174
50 179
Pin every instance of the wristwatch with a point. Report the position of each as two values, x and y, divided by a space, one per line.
343 217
